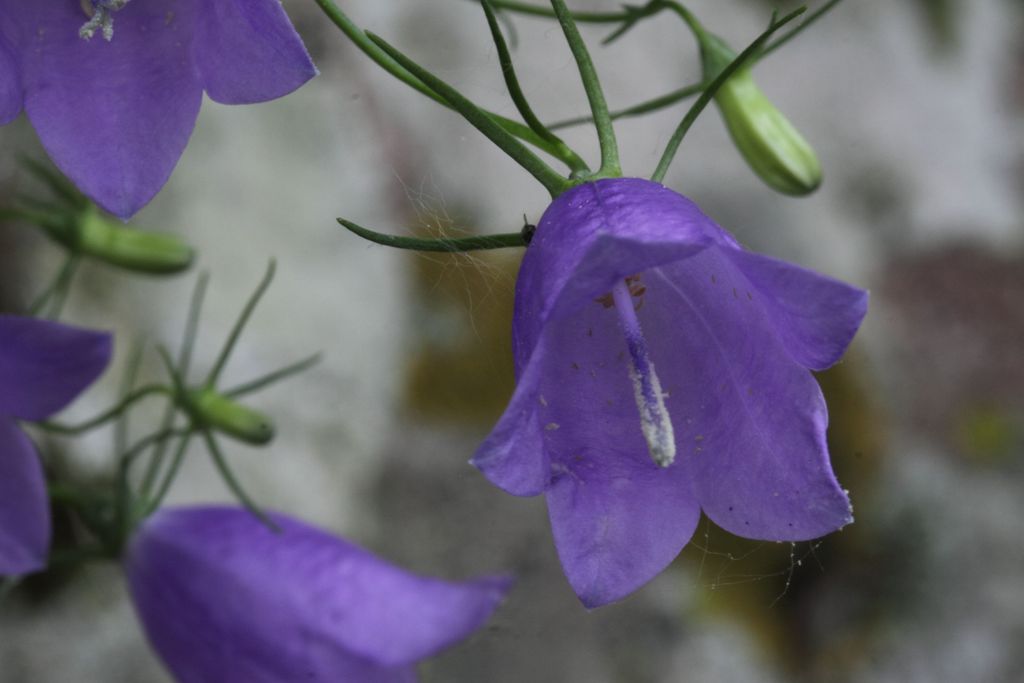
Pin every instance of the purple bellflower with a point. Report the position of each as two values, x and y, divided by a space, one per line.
43 366
113 87
225 599
663 370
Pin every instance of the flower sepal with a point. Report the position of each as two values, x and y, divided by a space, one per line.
155 253
210 408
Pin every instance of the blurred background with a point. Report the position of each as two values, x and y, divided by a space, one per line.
915 109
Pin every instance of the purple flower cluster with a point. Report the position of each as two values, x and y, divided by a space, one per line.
223 597
115 114
664 370
43 367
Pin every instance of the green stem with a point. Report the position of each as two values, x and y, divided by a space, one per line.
687 16
188 340
109 414
577 165
742 59
444 244
483 122
184 361
131 374
539 11
652 8
592 86
386 62
40 214
40 301
644 107
137 449
126 506
165 484
797 30
60 185
272 377
229 478
243 318
123 494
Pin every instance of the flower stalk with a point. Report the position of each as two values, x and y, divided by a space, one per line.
595 95
481 120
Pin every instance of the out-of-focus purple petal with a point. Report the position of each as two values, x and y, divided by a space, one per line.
749 420
44 365
11 94
24 509
224 599
114 116
247 51
815 316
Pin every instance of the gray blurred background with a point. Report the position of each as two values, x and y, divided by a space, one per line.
915 109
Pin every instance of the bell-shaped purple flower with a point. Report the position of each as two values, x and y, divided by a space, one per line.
43 366
661 370
113 87
225 599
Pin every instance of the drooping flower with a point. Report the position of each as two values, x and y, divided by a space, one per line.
661 370
225 599
115 114
43 366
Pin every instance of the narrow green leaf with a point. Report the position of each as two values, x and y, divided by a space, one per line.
444 244
552 181
654 104
243 318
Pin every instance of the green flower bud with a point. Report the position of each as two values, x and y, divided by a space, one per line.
767 140
215 410
145 252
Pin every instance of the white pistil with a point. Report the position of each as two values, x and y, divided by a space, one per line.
655 422
101 17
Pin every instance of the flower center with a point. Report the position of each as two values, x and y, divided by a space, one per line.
650 401
101 18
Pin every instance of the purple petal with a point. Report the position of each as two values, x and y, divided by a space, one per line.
114 116
11 94
617 518
247 51
592 236
45 365
224 599
814 316
618 521
24 509
749 421
513 455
